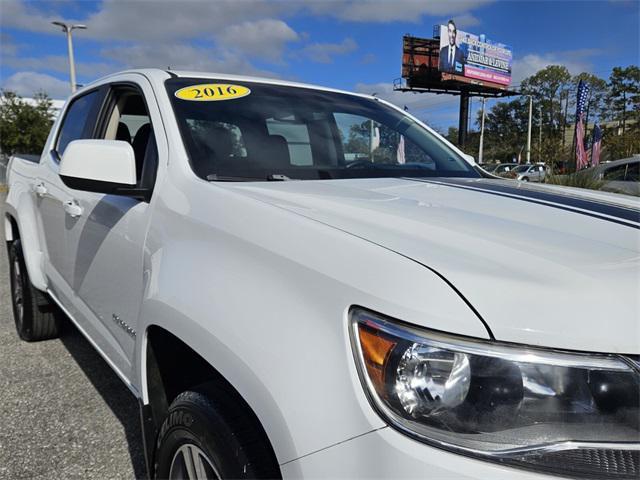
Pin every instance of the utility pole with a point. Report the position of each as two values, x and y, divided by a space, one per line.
540 134
481 132
529 129
67 28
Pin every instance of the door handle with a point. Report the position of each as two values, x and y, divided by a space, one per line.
72 208
40 190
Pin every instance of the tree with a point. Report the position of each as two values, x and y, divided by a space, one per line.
359 138
505 130
23 127
547 87
624 94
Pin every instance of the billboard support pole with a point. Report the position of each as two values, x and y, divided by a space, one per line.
480 148
463 123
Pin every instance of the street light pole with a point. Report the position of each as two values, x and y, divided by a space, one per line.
529 130
67 28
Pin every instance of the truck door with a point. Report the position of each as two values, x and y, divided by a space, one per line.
106 241
51 194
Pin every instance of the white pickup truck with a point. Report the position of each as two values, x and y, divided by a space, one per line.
301 282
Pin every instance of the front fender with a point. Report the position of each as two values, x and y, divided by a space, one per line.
21 208
263 296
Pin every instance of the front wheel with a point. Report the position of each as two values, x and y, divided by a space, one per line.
207 437
524 179
35 316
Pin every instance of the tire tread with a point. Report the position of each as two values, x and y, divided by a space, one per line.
39 311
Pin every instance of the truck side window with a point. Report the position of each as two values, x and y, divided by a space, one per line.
129 121
75 123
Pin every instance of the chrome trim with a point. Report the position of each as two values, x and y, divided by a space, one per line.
512 352
123 325
113 366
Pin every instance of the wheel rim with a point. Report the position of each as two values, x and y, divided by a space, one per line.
190 462
18 292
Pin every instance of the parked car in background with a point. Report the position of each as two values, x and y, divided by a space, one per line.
621 176
489 167
527 173
503 168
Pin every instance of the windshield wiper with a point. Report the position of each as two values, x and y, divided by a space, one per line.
277 177
273 177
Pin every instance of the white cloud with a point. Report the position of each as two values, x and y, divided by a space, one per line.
324 52
27 84
221 35
157 33
576 61
125 20
390 11
264 39
463 21
57 63
7 46
183 57
413 101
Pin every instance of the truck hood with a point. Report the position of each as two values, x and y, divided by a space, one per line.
543 266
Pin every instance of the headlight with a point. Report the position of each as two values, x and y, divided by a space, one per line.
568 413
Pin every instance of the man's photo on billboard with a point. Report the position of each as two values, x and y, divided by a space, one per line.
451 55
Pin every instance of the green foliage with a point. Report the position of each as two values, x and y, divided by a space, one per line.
624 97
547 88
553 92
24 128
622 143
359 137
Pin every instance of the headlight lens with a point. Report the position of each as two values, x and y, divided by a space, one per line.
514 404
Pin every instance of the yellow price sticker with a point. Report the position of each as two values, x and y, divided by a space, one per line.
212 92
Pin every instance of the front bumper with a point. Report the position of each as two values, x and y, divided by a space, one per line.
385 453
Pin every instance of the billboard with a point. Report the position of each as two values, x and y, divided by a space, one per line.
473 56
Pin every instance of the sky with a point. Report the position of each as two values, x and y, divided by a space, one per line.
351 45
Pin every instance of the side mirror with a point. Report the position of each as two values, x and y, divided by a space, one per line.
101 166
470 158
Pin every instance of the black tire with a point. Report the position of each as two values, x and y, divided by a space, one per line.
525 179
35 316
221 430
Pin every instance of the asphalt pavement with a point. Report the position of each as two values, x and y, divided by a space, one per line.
64 413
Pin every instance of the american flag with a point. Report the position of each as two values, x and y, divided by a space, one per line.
597 144
581 154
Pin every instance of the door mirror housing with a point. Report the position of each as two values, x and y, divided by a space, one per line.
101 166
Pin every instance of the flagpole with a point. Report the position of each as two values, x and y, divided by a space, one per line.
529 130
480 148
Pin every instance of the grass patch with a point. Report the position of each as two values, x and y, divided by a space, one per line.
584 179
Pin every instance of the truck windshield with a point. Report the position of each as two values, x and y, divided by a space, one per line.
254 131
